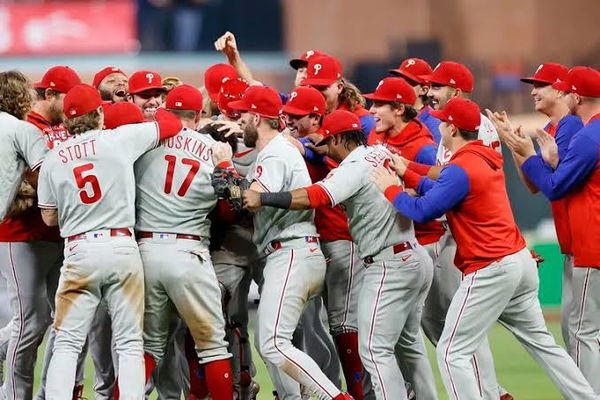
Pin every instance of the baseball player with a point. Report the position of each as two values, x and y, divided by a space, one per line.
325 73
31 251
575 178
101 257
562 126
173 179
303 111
449 80
500 278
112 83
47 114
398 270
234 255
295 266
411 71
145 91
214 77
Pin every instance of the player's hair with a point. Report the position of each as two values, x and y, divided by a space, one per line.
469 135
15 94
353 137
350 96
184 114
410 113
424 98
83 123
213 130
273 123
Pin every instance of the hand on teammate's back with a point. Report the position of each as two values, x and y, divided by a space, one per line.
383 178
400 164
548 147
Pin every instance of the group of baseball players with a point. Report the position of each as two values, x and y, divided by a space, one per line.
137 211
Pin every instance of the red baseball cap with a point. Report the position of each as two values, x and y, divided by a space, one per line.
184 97
305 100
81 99
393 89
145 80
584 81
261 100
99 77
121 113
231 90
412 69
60 79
214 77
338 121
303 60
323 71
547 73
462 113
453 74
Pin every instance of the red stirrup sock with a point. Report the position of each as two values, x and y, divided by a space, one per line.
219 379
347 348
149 364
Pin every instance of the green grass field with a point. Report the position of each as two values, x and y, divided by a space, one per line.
516 371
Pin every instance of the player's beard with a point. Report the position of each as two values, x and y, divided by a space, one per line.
55 116
116 95
250 135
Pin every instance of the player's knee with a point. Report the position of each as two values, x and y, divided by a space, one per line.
273 349
34 326
129 346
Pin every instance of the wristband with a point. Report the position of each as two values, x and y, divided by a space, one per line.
277 199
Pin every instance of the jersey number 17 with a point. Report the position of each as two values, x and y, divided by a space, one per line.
185 185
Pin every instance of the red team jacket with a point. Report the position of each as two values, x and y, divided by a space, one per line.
409 143
471 192
29 225
483 225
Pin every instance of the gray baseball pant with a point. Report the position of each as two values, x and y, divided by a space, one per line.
505 290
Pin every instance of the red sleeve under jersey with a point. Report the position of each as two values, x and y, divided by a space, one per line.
317 196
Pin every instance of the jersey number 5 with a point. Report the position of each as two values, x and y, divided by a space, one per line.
185 185
81 180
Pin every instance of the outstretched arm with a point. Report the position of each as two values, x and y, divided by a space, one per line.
227 45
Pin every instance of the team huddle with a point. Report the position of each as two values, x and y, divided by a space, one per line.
136 212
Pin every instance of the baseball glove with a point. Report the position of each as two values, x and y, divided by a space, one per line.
228 185
24 200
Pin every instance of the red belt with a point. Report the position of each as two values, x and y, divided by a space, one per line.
276 244
397 248
149 235
113 232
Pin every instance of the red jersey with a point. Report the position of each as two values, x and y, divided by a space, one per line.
561 214
409 142
483 224
29 226
331 223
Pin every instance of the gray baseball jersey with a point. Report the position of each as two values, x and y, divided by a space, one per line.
173 185
90 178
279 167
22 146
374 223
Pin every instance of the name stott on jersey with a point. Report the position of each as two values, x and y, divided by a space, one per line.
374 223
173 185
22 145
487 134
90 178
279 167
